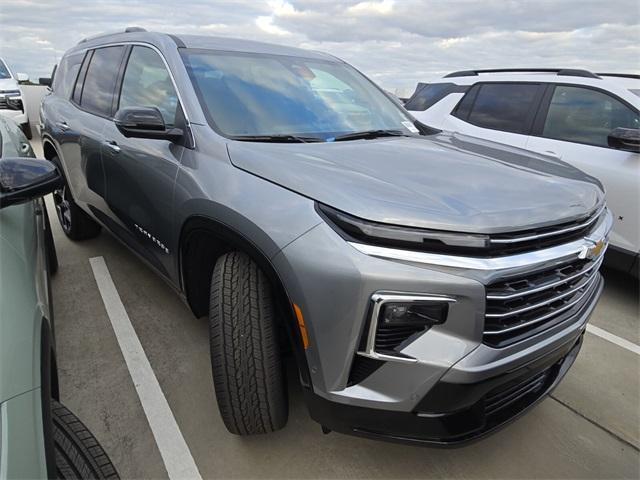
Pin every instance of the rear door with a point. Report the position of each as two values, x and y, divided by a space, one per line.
82 126
140 173
574 124
499 111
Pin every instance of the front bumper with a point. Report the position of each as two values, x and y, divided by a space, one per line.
440 397
502 400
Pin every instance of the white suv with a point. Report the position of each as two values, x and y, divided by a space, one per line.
11 98
589 120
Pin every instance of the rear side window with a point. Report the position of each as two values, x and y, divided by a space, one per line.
66 74
147 83
427 95
583 115
100 81
508 107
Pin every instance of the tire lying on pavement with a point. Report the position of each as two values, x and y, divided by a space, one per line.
247 369
78 453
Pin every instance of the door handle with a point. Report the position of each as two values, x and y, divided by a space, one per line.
64 126
112 145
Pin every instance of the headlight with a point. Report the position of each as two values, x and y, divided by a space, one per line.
355 229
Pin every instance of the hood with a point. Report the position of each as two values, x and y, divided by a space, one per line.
8 84
445 182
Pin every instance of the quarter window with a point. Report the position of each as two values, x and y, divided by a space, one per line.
100 82
508 107
66 74
584 115
147 83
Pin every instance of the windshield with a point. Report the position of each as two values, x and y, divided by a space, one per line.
269 95
4 71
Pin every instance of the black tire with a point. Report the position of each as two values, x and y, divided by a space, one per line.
50 245
26 129
75 223
78 453
248 373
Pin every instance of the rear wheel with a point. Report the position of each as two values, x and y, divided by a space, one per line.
245 357
78 453
75 223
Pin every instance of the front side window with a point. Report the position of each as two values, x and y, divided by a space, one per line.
147 83
253 94
508 107
4 71
100 82
65 75
585 115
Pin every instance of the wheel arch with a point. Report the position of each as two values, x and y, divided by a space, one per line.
202 241
49 149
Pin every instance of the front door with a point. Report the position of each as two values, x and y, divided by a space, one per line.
140 173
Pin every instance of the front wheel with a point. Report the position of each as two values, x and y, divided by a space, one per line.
75 223
245 357
78 453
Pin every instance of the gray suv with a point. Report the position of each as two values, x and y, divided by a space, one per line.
430 286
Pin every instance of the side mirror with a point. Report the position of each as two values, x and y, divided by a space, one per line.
25 178
46 81
625 139
145 122
22 77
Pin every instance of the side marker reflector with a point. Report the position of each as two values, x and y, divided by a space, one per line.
301 326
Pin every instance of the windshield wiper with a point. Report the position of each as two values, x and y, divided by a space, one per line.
277 138
368 134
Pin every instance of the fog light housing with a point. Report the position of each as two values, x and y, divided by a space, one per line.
398 319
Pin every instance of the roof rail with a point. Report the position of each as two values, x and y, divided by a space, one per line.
100 35
569 72
621 75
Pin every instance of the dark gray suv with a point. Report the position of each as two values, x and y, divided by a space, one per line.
430 286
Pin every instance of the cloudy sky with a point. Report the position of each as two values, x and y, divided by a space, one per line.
397 43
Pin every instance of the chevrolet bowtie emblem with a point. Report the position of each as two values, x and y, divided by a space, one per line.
592 251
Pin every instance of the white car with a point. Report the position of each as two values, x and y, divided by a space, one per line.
11 98
589 120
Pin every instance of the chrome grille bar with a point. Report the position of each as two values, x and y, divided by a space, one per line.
543 303
588 289
541 288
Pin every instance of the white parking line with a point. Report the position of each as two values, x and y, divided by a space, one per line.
174 450
621 342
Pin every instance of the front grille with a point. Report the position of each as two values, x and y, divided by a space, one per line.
506 396
3 102
526 305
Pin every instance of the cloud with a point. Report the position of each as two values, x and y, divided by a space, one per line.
397 43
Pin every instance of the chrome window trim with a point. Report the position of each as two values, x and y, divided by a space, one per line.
378 300
577 248
592 219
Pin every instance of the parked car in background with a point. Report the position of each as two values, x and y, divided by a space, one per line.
589 120
11 97
39 437
427 295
